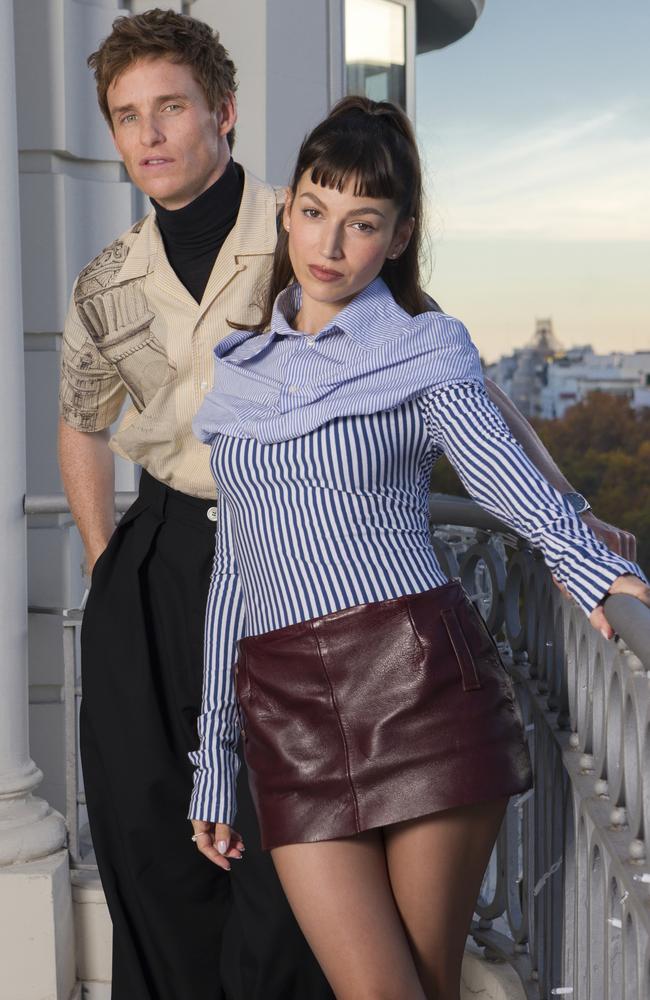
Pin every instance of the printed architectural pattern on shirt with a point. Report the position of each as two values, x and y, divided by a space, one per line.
118 320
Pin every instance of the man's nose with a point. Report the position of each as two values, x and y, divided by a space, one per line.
331 244
151 133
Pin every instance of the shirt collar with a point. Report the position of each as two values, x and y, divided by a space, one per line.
365 320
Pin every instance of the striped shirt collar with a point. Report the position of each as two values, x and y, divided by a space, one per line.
358 319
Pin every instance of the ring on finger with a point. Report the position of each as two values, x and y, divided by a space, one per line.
203 833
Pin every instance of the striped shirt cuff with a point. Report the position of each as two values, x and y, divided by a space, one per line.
589 575
214 794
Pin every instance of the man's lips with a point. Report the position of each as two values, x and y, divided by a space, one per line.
155 161
324 273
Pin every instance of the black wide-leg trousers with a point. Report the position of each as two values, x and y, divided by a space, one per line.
183 929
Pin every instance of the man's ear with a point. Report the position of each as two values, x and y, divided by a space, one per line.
227 115
114 141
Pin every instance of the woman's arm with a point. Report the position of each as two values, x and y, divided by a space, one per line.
497 473
614 538
216 761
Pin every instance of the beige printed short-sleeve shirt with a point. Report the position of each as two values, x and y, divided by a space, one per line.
134 330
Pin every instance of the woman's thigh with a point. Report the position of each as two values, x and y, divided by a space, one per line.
340 893
436 865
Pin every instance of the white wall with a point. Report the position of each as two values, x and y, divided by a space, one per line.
74 199
287 53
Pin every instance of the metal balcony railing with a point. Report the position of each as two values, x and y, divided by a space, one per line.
566 897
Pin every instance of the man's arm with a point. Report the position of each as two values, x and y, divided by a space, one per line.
614 538
88 473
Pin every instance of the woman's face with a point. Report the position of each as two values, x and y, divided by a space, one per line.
338 241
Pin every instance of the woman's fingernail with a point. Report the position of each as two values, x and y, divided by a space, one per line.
604 633
222 846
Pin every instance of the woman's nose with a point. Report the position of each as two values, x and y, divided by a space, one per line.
331 245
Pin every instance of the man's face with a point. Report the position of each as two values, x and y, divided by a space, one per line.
172 145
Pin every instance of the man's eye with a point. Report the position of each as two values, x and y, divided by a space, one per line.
171 107
126 119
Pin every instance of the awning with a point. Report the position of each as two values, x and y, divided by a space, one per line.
441 22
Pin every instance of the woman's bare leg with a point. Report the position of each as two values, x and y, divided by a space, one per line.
436 865
340 893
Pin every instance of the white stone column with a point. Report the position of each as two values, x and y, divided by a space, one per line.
35 949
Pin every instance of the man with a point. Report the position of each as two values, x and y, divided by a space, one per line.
144 317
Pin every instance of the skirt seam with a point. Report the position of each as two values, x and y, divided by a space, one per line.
342 731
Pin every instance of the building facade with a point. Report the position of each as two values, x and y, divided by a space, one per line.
64 196
544 380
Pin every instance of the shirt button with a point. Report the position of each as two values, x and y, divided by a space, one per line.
212 513
310 342
293 389
204 385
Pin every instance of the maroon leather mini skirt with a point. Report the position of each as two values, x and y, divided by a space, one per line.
376 714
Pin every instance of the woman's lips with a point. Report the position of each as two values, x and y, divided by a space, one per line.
324 274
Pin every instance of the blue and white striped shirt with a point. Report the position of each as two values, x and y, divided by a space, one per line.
322 449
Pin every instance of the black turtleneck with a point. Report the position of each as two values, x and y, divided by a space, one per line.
194 235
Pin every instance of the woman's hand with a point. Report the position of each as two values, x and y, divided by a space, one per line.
626 584
218 842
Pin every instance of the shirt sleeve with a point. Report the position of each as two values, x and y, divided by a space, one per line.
497 473
91 391
216 761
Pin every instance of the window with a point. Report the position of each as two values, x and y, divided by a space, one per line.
375 49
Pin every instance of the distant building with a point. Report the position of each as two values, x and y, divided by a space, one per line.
544 380
522 375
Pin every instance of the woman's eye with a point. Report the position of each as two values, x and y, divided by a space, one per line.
311 213
363 227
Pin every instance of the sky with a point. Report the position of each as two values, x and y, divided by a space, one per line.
535 132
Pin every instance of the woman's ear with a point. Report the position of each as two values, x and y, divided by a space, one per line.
286 214
400 241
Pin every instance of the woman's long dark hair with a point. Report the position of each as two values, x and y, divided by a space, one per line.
374 143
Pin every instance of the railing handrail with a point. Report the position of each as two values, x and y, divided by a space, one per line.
57 503
628 616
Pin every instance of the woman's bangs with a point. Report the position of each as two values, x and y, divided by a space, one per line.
368 165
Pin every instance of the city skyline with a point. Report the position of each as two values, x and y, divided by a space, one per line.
534 130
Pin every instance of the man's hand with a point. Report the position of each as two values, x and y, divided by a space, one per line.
626 584
619 541
92 557
218 842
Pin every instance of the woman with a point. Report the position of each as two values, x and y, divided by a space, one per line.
380 728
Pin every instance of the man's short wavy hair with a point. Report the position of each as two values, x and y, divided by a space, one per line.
164 34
